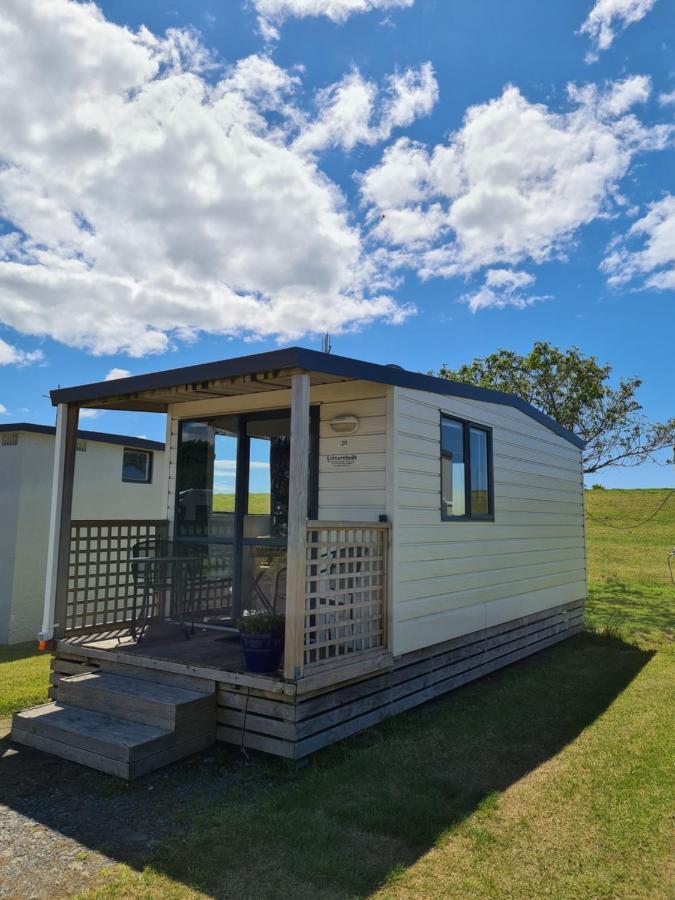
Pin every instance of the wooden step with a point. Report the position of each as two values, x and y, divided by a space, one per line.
104 742
139 700
158 675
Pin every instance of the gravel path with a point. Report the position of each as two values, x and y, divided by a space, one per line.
62 824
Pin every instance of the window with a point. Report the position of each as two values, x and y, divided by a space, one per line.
137 466
9 438
466 470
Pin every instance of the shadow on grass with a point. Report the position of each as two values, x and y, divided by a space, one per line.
360 810
636 607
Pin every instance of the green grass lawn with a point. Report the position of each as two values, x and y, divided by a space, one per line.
630 587
551 778
636 555
258 504
24 673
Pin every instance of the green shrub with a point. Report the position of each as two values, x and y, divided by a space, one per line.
259 621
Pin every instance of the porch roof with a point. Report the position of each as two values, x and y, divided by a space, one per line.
271 371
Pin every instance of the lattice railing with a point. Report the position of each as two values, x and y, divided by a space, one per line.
105 586
102 582
346 591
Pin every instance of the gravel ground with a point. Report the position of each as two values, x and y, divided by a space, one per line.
62 825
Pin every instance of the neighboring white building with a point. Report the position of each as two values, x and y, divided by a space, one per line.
116 477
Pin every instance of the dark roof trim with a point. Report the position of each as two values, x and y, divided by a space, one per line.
420 382
310 360
224 368
100 437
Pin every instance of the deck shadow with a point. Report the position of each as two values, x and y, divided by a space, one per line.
361 808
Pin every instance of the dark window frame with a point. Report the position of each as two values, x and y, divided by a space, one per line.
149 454
467 425
241 486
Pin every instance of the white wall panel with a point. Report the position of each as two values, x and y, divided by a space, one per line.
451 578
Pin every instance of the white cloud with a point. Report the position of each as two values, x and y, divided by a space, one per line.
622 95
667 99
347 109
273 13
608 17
150 203
3 410
654 261
115 373
514 183
501 288
89 413
226 466
11 355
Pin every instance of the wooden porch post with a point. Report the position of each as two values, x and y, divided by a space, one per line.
58 548
297 527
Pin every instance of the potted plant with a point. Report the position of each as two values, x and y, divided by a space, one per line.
262 639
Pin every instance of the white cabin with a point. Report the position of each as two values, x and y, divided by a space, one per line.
416 532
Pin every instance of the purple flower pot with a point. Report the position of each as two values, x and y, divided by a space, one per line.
262 652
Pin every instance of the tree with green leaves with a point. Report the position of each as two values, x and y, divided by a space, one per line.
575 391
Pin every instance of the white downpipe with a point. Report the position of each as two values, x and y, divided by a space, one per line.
48 623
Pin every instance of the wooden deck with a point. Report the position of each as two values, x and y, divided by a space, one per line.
210 654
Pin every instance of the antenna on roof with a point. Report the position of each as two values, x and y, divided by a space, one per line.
326 344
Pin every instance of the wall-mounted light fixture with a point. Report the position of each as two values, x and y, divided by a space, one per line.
345 424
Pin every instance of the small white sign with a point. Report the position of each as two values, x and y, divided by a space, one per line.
341 460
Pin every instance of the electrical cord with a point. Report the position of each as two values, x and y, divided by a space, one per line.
242 749
637 524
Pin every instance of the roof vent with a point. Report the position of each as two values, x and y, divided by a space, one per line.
395 366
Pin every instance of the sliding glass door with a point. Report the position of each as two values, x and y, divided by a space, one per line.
232 505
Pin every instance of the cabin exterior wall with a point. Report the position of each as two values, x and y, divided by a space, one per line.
10 483
453 578
352 468
447 579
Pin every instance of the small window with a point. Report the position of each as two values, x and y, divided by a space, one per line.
466 470
137 466
81 446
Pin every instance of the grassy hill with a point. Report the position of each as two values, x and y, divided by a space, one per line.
629 581
258 504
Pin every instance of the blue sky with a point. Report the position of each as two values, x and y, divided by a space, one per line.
187 181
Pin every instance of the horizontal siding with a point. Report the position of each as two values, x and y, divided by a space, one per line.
438 571
455 577
356 492
424 407
483 547
425 631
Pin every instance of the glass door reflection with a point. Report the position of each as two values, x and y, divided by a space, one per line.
266 517
232 504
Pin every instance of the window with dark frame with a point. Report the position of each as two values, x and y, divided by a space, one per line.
137 466
466 471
